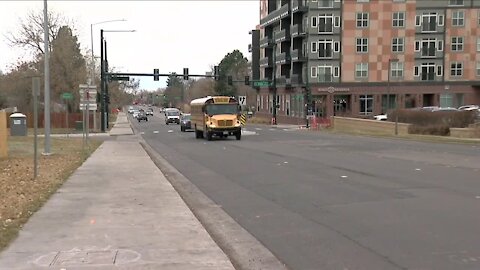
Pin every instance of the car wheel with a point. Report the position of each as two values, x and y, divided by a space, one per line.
238 135
166 123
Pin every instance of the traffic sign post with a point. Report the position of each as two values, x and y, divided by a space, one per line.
67 96
242 100
88 96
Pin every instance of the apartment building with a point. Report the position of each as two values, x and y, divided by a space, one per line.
363 57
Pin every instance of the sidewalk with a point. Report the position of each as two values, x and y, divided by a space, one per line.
117 211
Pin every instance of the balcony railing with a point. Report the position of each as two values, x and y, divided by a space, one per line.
297 79
325 77
428 51
282 35
284 80
266 42
282 58
297 30
266 62
275 16
299 6
298 55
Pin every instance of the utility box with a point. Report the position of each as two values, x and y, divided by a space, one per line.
18 124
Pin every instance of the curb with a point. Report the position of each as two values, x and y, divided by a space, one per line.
244 251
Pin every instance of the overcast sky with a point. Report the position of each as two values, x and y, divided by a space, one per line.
170 35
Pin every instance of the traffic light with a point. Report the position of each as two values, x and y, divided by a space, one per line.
185 74
247 80
107 99
155 74
230 80
216 73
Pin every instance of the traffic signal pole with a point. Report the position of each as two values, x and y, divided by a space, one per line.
102 85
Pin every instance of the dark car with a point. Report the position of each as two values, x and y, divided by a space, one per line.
185 122
142 116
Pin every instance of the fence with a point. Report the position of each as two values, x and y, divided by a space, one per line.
57 120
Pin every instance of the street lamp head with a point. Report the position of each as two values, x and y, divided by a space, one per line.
121 31
117 20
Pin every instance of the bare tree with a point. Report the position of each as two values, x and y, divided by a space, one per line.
30 32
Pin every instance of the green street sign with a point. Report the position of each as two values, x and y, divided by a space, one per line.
67 95
120 78
262 84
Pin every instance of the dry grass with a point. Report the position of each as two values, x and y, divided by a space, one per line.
21 195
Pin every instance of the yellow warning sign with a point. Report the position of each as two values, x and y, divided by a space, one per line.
243 119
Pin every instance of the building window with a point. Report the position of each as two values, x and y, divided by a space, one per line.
325 3
478 44
325 73
446 100
314 21
336 46
366 104
314 47
428 47
398 19
361 70
455 3
439 70
457 44
325 49
362 45
325 23
458 18
478 69
429 22
362 20
428 72
397 44
456 69
336 72
396 69
314 72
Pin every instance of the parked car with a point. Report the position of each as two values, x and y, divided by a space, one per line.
130 109
149 111
469 108
380 117
445 109
185 122
142 115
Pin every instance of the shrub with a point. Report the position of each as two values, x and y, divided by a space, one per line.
456 119
439 130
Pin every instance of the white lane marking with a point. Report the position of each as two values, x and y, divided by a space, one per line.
142 133
344 176
170 131
156 132
418 169
246 132
477 197
285 162
285 129
258 128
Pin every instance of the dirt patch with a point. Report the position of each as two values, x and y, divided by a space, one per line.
20 194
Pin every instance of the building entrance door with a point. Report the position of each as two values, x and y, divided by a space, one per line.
341 105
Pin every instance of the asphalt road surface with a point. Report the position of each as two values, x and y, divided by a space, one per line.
327 201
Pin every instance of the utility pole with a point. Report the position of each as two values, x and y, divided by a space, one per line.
102 85
47 81
274 84
107 98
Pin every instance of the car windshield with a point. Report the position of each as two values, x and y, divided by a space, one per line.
214 109
187 117
173 113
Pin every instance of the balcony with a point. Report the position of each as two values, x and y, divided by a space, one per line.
284 80
275 16
298 30
282 58
299 6
298 55
325 77
282 35
266 62
428 51
297 79
266 42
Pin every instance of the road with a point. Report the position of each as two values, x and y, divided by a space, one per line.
328 201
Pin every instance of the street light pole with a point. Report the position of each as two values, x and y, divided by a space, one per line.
390 61
274 112
47 81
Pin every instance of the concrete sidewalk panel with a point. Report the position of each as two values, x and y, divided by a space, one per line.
116 211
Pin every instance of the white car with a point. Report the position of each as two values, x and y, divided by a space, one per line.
381 117
468 108
135 113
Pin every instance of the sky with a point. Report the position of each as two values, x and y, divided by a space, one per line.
169 35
